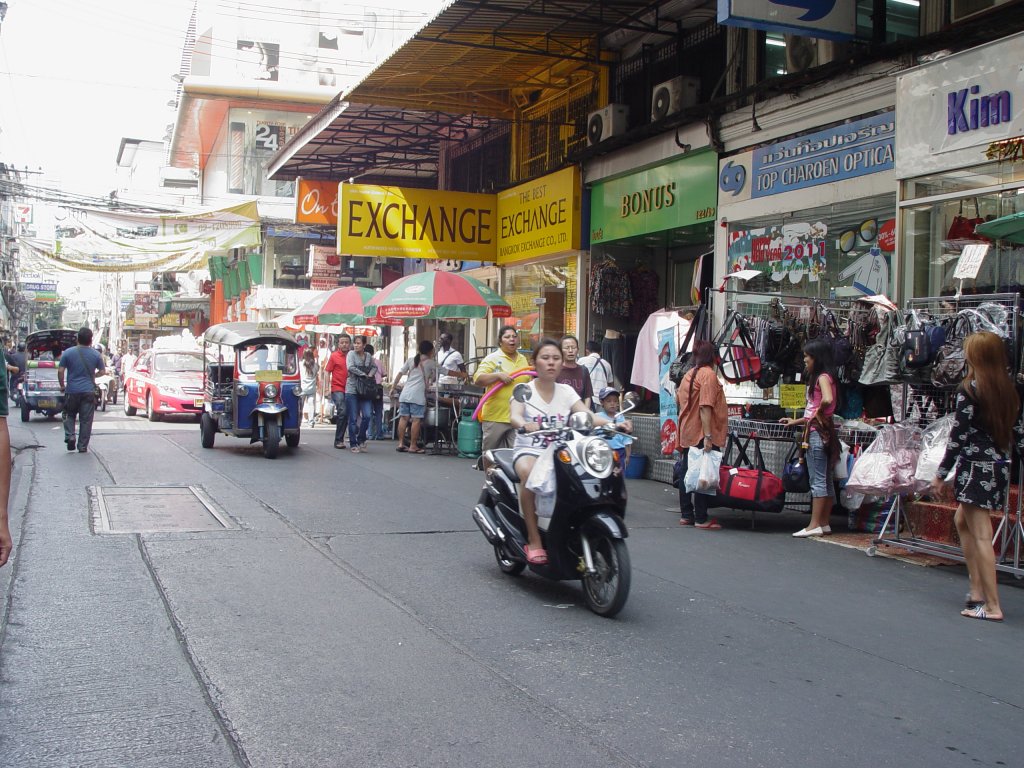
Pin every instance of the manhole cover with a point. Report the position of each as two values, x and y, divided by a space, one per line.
173 509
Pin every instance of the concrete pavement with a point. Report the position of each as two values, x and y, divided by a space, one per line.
355 617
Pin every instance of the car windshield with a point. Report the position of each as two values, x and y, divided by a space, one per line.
267 357
178 362
42 374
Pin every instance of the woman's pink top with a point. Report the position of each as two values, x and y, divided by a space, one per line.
814 400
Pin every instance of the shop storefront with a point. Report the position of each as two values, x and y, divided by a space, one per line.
538 240
815 215
951 113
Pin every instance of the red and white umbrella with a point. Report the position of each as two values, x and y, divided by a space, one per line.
436 296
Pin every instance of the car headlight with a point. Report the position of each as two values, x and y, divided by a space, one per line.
172 391
596 456
270 391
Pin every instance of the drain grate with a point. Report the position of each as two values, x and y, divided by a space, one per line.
159 509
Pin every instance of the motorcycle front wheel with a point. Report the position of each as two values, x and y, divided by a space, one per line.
507 565
605 591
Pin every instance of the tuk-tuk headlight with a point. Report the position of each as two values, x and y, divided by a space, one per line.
241 390
270 391
596 456
297 390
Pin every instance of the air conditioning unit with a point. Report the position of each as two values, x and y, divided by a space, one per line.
607 122
673 96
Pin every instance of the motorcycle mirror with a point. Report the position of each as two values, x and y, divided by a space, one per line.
581 421
632 400
521 393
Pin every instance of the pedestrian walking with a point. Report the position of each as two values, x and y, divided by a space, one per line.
359 393
308 372
823 442
80 366
6 542
599 369
978 451
412 404
376 430
573 374
337 367
497 368
703 423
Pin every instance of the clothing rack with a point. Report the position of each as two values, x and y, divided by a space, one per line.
922 404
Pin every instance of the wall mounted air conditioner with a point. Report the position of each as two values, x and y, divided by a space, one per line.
607 122
673 96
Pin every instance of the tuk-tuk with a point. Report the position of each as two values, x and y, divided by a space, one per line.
40 387
251 385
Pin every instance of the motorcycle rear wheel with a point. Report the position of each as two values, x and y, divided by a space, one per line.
507 565
605 592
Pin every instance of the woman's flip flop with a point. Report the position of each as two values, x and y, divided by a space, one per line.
536 555
978 612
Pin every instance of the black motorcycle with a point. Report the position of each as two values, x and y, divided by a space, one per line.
585 537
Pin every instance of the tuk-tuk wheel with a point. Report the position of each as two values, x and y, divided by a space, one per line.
207 430
26 412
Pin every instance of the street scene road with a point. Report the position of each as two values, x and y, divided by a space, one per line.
351 614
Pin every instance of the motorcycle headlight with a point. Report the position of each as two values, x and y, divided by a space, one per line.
596 456
270 391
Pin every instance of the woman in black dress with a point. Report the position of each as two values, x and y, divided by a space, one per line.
979 447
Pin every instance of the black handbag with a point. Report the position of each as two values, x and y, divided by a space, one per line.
796 477
684 360
365 378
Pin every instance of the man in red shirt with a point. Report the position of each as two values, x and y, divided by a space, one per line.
338 368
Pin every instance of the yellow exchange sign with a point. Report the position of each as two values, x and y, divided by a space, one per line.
540 218
415 223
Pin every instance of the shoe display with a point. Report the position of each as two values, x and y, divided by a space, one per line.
804 533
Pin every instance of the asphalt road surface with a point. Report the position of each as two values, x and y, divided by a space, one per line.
352 615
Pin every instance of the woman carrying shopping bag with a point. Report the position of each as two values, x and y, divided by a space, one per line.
823 443
704 424
979 448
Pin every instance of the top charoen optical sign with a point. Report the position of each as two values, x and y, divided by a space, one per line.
834 19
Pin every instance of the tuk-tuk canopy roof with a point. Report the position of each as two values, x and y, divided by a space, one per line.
42 341
245 334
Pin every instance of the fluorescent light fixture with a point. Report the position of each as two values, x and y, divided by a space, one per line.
775 42
914 3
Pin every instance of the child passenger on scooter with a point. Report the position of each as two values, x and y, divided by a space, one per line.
548 405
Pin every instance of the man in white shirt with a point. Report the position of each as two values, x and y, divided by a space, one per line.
599 369
449 361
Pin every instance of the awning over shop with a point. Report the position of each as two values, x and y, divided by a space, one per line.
477 60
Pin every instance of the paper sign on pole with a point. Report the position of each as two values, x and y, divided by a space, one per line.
970 261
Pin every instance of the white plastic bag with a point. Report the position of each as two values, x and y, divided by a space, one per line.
933 448
702 471
841 470
542 482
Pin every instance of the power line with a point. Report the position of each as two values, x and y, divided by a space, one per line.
21 191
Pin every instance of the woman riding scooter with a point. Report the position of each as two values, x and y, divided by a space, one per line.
549 404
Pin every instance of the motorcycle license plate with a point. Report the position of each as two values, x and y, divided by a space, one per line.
198 402
47 403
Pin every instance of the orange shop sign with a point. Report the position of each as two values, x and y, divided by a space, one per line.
316 202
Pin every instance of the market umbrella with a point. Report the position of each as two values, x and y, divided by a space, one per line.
335 307
1004 228
436 296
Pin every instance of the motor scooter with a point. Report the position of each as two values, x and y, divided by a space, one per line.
585 537
103 386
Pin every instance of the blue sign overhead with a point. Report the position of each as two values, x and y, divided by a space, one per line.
830 19
844 152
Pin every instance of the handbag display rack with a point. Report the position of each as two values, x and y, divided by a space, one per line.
922 403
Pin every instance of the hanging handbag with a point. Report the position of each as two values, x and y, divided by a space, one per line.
747 485
365 380
951 362
684 360
882 359
737 359
796 478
